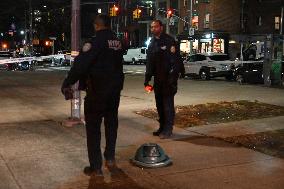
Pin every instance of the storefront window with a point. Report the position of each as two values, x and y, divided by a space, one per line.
205 44
218 45
277 22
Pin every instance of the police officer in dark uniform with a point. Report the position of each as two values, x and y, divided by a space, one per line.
100 64
164 62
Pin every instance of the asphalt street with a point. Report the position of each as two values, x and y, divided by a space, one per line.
127 69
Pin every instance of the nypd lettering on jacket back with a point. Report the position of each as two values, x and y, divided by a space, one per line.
114 44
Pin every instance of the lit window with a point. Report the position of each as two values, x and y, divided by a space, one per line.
277 22
259 21
195 22
206 20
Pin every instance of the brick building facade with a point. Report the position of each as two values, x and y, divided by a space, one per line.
233 22
263 16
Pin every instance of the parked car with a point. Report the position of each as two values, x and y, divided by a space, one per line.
251 73
5 55
209 65
24 65
135 56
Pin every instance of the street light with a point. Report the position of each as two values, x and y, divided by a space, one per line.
4 46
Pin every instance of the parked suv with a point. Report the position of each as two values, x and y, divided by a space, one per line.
209 65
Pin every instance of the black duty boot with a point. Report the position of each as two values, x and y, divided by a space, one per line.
90 171
157 133
165 135
111 165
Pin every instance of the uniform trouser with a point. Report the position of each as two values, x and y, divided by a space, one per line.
166 111
96 108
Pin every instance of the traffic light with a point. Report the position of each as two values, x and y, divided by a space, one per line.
170 13
113 11
47 43
137 13
110 11
4 46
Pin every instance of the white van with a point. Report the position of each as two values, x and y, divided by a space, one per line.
134 56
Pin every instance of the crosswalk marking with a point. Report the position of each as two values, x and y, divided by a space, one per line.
50 69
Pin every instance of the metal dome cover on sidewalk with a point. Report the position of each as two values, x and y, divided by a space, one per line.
151 155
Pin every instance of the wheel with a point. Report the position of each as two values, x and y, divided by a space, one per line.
229 77
133 61
240 79
204 75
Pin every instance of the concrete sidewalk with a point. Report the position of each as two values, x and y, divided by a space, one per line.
36 152
43 154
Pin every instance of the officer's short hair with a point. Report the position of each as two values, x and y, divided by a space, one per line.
159 22
103 20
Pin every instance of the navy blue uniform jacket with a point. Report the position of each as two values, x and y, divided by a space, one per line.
164 62
100 62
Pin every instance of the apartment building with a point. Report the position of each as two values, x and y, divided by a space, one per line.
224 26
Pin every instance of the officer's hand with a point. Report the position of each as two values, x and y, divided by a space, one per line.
67 92
149 88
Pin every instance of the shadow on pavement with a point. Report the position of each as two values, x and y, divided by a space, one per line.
207 141
118 180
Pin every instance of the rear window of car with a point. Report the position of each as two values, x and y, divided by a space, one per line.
219 57
252 66
196 57
143 51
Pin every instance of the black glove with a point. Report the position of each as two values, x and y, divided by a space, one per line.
67 92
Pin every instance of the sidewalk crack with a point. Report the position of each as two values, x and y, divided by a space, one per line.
11 172
213 167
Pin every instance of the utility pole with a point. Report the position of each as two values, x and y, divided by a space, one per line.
281 20
168 21
26 32
242 28
125 8
31 27
190 26
75 118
